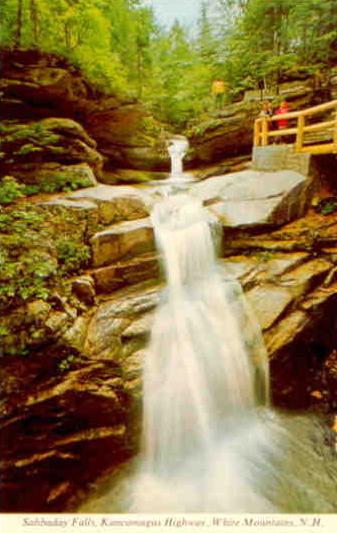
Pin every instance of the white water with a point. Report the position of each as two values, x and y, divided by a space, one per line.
205 373
177 149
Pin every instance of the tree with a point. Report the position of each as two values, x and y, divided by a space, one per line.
34 18
19 22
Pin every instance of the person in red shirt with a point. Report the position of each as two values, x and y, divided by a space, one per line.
282 123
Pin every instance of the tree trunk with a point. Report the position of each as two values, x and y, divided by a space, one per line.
19 17
139 71
34 18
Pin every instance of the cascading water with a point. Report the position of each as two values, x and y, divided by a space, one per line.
177 150
206 371
211 443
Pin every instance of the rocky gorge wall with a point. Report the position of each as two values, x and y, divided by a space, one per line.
37 86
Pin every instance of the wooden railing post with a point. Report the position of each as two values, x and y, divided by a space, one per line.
300 133
257 133
264 131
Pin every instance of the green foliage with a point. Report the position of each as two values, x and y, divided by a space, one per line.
36 133
30 190
25 277
27 149
60 182
269 39
107 40
10 190
121 48
72 255
3 330
33 258
67 363
265 256
327 206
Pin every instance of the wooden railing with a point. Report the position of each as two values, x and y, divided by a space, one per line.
264 130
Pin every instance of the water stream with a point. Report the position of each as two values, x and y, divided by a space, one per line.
206 370
177 149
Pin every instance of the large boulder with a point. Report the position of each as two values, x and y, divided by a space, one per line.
255 199
124 273
289 276
36 84
39 152
128 136
51 177
227 135
89 360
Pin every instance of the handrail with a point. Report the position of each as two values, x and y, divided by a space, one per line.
262 132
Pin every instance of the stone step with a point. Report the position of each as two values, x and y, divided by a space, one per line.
270 301
122 241
253 199
125 273
115 203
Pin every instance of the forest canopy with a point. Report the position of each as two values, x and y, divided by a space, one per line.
122 48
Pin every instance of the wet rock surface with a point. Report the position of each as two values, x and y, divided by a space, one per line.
290 281
122 241
252 198
59 430
115 203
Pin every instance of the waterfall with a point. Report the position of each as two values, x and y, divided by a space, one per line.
177 149
206 371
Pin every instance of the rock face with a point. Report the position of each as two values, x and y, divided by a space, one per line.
74 395
37 85
121 241
127 136
290 279
56 421
228 135
70 407
252 198
50 152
